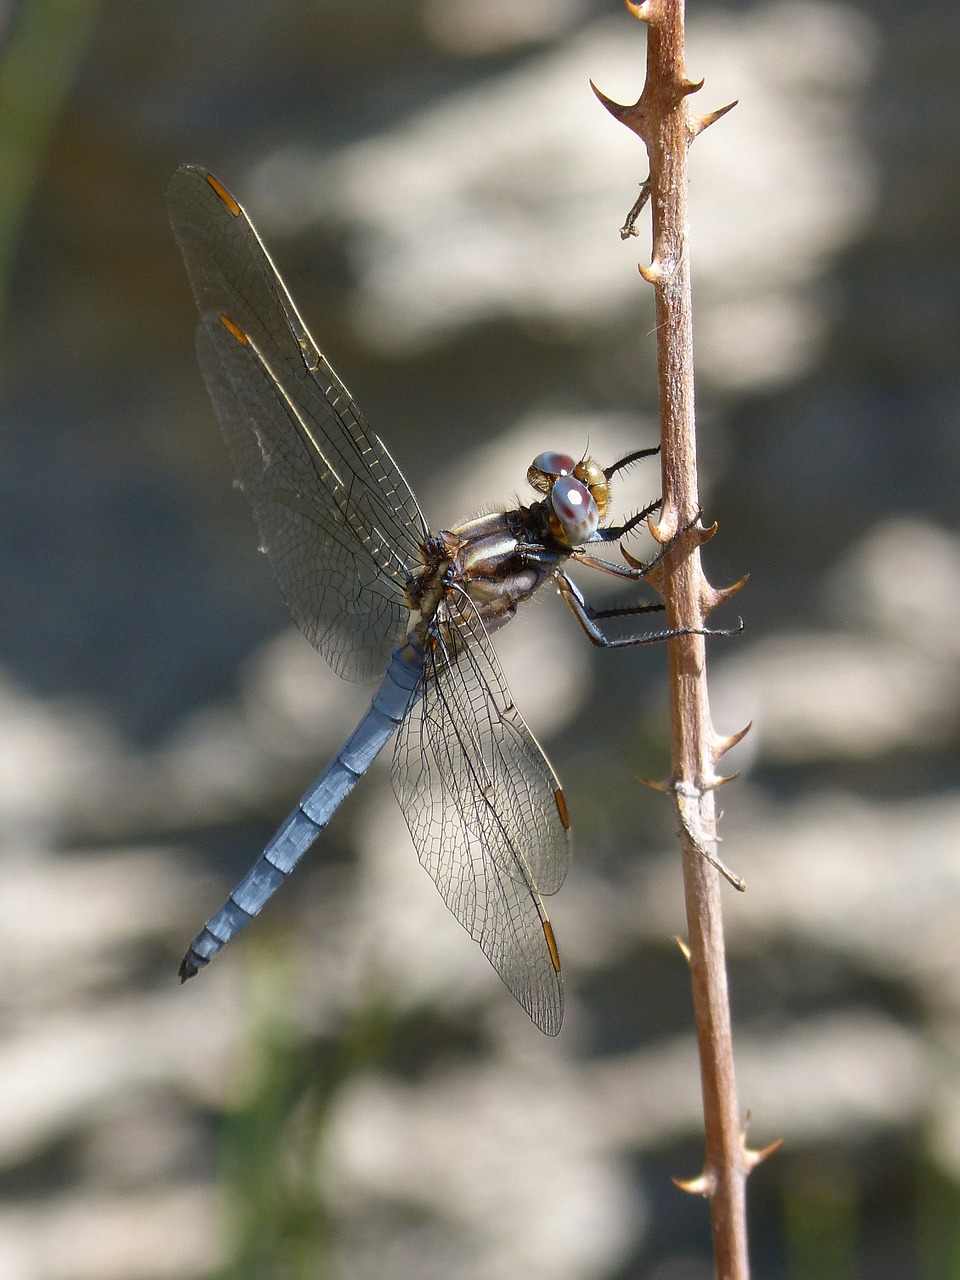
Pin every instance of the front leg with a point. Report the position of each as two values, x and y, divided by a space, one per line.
637 569
614 532
535 554
633 573
630 459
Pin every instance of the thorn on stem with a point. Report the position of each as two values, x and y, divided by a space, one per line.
665 529
641 11
699 123
711 597
615 108
635 116
721 780
752 1158
702 1186
722 743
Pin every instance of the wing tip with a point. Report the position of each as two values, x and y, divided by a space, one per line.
222 194
561 802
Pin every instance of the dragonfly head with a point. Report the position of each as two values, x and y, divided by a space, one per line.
578 493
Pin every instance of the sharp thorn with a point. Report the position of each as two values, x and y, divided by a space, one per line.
633 116
752 1158
711 596
722 743
663 530
701 1186
700 123
640 11
691 86
615 108
666 786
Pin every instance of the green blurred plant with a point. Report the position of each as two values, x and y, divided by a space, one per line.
38 61
279 1220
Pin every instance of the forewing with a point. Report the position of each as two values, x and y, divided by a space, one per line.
337 520
485 809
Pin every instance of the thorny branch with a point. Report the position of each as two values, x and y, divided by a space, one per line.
667 126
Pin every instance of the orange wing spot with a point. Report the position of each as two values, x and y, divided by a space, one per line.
561 802
224 195
551 945
234 330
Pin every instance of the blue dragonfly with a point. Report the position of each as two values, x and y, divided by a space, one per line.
381 596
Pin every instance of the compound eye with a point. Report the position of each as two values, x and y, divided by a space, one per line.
546 467
575 508
554 464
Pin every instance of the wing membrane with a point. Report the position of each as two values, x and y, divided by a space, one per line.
480 799
337 519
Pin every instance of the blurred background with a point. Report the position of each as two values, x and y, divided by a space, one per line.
349 1090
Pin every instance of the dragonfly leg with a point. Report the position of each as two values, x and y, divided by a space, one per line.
532 553
637 569
587 617
614 532
624 611
634 573
630 459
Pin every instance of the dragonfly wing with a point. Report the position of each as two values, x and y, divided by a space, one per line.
337 519
347 606
485 809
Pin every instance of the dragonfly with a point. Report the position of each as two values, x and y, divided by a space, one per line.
383 597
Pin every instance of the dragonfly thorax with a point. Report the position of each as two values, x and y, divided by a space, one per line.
489 559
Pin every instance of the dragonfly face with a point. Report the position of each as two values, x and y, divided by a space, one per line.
579 494
381 597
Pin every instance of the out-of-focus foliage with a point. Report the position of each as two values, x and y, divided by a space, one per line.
348 1090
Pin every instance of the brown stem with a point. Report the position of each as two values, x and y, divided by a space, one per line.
663 119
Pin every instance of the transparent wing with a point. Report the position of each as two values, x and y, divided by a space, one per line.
485 809
337 520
